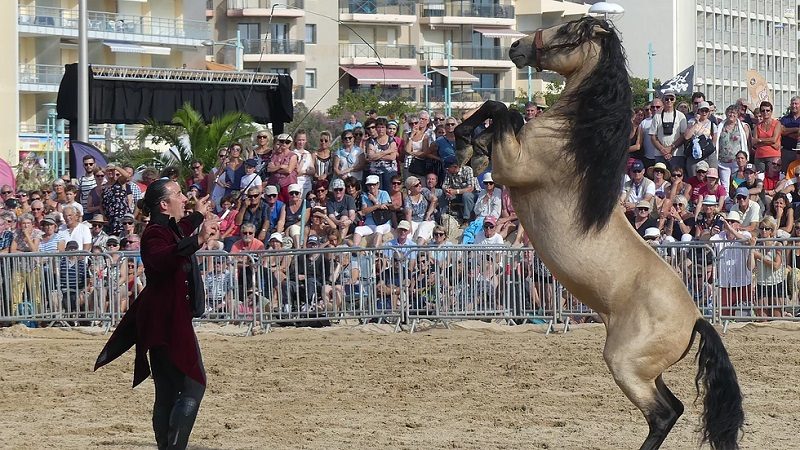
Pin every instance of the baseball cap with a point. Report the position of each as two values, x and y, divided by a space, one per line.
276 237
47 219
295 188
750 167
285 137
637 166
492 220
373 179
71 245
701 165
251 162
271 190
411 181
734 216
652 232
743 191
703 105
313 239
644 204
337 184
404 225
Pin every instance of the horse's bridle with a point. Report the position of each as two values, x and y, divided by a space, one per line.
539 49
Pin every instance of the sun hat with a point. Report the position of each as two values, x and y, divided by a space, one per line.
411 181
373 179
658 166
734 216
652 232
404 225
710 200
644 204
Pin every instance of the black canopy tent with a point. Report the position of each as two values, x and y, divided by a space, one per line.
139 99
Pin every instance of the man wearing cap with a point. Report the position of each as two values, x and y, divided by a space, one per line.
666 132
639 188
99 237
749 211
375 204
735 268
697 182
256 212
460 184
790 132
250 177
52 239
402 243
341 209
488 234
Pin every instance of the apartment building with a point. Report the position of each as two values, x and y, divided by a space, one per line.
722 38
405 46
42 37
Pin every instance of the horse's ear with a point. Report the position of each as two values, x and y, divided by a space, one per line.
600 31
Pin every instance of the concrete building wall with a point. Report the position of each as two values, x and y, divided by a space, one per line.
8 83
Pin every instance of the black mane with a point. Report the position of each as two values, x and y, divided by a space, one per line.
599 111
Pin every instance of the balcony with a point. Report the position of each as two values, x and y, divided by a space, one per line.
351 54
274 50
465 13
39 77
264 8
400 12
40 20
469 56
386 93
472 95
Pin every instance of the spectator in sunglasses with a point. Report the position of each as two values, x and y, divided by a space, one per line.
350 159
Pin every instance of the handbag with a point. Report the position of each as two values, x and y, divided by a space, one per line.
418 166
706 146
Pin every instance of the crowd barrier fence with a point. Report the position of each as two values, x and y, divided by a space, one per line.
729 281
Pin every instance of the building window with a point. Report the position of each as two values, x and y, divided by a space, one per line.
311 78
311 33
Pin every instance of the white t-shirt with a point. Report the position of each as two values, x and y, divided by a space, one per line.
481 239
81 234
650 150
657 129
733 271
638 193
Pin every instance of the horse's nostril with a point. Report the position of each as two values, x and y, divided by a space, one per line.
515 44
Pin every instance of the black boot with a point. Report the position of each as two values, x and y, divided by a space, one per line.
181 422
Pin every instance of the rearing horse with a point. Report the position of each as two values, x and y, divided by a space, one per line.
564 171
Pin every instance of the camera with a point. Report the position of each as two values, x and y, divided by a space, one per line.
668 128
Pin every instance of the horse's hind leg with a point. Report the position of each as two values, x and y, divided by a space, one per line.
659 405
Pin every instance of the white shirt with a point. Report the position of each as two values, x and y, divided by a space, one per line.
249 181
678 129
81 234
753 213
733 271
481 239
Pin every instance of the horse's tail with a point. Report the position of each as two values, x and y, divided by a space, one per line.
723 416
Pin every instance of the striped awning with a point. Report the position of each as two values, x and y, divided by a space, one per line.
458 76
119 47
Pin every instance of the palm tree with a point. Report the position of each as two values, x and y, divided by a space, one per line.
191 138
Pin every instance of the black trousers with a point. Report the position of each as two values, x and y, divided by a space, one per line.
177 401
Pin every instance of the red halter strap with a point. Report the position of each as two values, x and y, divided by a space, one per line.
538 47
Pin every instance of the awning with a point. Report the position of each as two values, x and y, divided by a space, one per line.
118 47
499 32
387 75
458 76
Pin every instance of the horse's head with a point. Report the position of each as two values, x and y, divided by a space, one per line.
563 48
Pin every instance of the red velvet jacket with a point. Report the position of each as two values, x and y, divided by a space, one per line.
161 314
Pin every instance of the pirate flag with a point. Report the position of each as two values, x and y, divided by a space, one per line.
681 84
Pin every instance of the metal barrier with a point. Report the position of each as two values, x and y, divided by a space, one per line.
728 281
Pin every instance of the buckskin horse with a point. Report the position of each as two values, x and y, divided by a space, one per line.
564 171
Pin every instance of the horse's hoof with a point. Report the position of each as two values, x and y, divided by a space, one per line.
463 155
479 163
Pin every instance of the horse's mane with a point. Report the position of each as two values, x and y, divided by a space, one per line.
599 112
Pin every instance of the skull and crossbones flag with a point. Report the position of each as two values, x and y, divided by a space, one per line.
680 84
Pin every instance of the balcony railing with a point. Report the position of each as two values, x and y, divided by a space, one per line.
125 24
388 93
404 51
273 46
264 4
397 7
40 74
467 9
436 94
468 52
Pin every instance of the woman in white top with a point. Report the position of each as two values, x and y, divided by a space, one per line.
732 138
770 272
698 126
350 159
306 162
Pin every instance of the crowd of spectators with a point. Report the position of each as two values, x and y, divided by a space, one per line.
397 185
729 181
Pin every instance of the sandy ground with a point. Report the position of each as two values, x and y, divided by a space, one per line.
475 386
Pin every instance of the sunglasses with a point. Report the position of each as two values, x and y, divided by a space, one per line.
418 185
88 164
324 140
323 190
438 119
488 225
6 192
127 222
294 193
741 197
284 141
253 196
359 135
272 195
414 123
225 155
488 182
261 137
396 183
438 234
643 209
677 174
763 110
338 189
656 107
450 124
668 99
765 228
248 233
114 244
348 138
